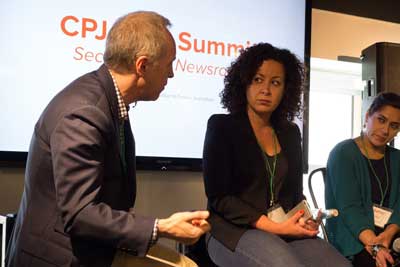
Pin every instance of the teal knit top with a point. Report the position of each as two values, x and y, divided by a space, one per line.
348 189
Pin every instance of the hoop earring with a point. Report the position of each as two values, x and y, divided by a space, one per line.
363 130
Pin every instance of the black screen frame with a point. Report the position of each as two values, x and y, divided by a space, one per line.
306 96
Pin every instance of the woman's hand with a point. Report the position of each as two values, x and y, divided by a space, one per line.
312 224
292 227
386 237
383 239
382 257
297 227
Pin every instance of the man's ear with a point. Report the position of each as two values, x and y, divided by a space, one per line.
141 65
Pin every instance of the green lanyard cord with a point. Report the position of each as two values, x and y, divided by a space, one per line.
383 194
272 170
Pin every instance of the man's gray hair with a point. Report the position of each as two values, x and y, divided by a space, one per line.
141 33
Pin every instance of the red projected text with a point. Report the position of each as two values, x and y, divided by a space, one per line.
72 26
187 43
81 54
203 69
91 30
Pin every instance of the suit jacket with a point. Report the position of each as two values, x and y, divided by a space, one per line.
236 179
75 209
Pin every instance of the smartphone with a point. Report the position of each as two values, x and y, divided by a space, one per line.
303 205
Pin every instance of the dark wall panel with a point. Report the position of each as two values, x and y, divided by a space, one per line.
387 10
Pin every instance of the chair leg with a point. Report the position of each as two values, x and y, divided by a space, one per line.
181 248
324 232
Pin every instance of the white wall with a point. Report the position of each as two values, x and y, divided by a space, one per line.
334 34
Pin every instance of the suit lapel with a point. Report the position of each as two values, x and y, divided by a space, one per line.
109 90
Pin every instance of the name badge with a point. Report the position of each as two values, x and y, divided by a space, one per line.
381 215
276 214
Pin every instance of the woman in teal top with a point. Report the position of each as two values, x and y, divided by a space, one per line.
363 183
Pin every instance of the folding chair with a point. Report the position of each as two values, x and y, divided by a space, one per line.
322 171
6 225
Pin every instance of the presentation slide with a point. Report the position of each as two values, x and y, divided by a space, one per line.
47 44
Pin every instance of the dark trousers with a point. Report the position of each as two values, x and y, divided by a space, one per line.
363 259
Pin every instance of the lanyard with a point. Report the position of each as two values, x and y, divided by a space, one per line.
271 170
383 194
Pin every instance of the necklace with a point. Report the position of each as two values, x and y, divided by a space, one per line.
383 193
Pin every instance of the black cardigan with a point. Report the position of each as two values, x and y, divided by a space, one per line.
235 176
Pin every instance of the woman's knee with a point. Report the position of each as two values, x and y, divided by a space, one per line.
317 251
265 249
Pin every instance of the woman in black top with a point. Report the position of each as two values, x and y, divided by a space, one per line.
253 165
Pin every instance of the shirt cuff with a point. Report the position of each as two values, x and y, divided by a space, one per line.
154 234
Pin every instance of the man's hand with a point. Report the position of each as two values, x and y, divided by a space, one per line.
185 227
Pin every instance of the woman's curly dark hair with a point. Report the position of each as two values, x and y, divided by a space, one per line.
242 71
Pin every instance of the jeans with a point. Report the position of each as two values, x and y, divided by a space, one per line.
258 248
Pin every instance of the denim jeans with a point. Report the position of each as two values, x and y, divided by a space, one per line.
258 248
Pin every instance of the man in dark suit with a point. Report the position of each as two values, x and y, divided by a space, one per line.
80 183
